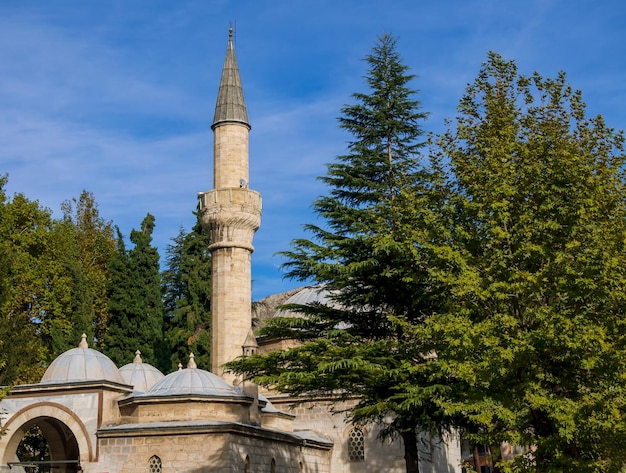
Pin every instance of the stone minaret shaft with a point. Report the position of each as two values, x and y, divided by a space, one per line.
231 213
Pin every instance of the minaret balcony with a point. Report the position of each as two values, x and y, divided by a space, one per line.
231 216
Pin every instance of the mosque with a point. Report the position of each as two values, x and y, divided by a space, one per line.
98 418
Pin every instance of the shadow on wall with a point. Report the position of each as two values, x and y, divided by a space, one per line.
277 458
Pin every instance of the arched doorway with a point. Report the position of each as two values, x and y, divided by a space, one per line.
41 445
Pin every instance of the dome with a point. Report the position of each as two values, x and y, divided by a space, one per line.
82 364
141 376
306 296
192 380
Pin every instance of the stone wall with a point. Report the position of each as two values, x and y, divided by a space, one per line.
208 452
436 455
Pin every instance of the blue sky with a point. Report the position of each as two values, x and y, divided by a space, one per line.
117 97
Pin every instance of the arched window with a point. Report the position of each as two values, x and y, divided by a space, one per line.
273 466
155 464
247 465
356 445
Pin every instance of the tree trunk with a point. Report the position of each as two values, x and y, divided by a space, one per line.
476 457
410 451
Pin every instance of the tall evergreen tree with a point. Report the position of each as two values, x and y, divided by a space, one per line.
352 345
187 296
535 340
135 309
118 339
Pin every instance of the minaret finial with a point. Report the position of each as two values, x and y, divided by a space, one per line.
83 341
230 31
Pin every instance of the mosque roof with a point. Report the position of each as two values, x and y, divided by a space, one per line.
230 106
305 296
141 376
82 364
192 381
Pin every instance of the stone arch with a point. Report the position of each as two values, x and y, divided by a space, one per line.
56 422
348 428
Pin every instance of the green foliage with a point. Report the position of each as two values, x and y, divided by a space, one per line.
350 345
134 291
95 245
187 297
484 291
51 282
534 342
80 245
24 227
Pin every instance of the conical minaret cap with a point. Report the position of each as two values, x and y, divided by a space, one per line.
230 106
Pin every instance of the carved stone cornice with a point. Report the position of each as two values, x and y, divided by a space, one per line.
231 217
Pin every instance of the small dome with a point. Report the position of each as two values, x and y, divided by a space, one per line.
82 364
192 380
141 376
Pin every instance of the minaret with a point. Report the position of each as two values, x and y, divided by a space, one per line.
231 213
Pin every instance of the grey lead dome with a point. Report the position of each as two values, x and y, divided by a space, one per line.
82 364
192 381
141 376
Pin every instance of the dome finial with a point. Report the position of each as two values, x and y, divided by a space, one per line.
192 363
180 366
83 341
137 357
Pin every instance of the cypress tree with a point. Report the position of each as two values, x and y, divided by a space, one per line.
135 306
187 296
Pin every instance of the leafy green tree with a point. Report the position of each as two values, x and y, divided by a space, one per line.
95 244
187 296
51 288
535 340
74 298
24 226
135 309
374 276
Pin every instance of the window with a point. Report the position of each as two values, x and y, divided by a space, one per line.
247 465
155 464
356 445
273 466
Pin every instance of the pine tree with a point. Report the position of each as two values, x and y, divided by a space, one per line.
187 296
354 345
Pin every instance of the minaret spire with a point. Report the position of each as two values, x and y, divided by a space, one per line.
230 106
231 214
